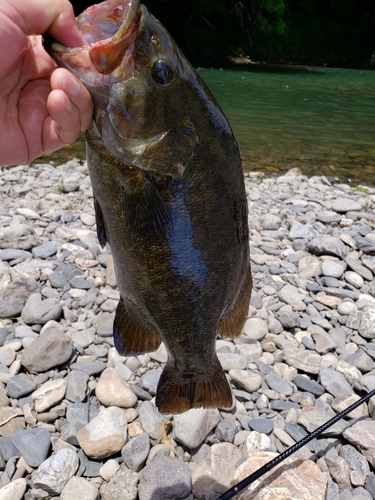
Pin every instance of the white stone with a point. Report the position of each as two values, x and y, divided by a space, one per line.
53 474
14 490
78 488
49 394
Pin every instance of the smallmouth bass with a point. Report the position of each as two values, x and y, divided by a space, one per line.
169 199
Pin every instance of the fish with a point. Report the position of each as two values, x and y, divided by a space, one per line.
169 198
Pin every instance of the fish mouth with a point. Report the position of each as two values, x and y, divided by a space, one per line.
109 29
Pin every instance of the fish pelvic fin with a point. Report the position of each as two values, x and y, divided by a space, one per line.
100 227
130 336
231 324
179 392
146 211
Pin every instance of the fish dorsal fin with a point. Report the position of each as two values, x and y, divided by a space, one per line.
100 227
130 336
146 211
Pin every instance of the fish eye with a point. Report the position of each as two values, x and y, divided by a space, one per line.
162 73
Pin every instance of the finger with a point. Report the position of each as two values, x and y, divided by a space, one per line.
63 126
36 17
77 93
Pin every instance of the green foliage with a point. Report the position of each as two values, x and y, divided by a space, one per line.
333 32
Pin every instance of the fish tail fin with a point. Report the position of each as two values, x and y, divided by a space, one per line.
130 336
179 392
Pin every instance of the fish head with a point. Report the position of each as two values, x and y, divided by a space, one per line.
138 78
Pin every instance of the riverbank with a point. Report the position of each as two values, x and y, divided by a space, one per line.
78 421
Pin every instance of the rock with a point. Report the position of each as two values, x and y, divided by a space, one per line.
192 427
226 431
270 222
341 403
151 420
308 385
339 469
257 441
136 451
19 237
261 425
49 394
38 311
76 386
255 328
109 469
306 361
122 486
14 490
165 478
104 435
343 205
13 298
53 474
112 390
355 460
357 267
84 338
293 478
361 360
292 296
333 269
335 383
279 384
250 381
308 267
362 435
327 245
89 367
44 251
34 445
19 386
78 488
150 380
52 348
232 361
213 475
367 325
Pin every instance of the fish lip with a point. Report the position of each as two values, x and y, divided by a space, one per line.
87 57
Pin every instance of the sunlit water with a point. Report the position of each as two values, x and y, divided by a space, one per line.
321 120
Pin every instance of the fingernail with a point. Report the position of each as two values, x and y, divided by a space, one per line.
73 87
68 105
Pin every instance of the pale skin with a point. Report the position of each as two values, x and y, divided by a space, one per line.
42 108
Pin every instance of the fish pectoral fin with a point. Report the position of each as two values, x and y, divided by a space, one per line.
100 227
232 323
146 211
130 336
178 392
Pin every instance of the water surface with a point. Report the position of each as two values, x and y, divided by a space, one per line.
321 120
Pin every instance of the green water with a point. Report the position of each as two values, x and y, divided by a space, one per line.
321 120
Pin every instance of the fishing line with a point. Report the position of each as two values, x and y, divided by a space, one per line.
232 492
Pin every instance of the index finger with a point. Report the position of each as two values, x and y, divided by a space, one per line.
36 17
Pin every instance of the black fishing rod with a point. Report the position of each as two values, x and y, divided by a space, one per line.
232 492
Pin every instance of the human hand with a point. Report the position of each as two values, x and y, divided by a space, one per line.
42 108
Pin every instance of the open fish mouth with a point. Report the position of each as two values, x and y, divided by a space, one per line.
109 29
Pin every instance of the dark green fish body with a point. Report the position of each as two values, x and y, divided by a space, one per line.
170 201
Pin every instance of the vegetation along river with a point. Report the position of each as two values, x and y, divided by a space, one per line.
321 120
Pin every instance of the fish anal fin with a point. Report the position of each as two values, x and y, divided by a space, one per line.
100 227
130 336
178 392
230 326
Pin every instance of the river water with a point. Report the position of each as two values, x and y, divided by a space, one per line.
321 120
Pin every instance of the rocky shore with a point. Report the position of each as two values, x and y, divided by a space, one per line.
78 421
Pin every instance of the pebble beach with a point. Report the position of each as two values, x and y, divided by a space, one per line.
78 421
